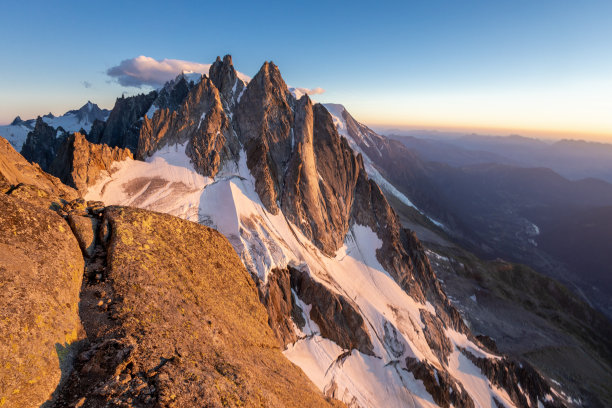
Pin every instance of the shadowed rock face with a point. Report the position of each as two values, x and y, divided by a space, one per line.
319 182
512 376
335 315
264 121
41 144
172 95
444 389
185 330
434 334
78 162
41 268
281 306
123 124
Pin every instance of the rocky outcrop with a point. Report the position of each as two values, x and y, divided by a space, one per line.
41 144
203 341
41 268
225 78
521 381
78 163
283 312
444 389
27 180
200 122
122 127
335 315
434 334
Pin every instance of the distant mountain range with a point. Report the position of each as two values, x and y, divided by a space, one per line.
573 159
72 121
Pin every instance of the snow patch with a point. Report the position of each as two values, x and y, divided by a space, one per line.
152 111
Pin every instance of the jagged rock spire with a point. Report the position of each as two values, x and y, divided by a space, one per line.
223 74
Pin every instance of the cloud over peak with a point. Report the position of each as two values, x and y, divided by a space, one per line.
299 92
142 70
146 71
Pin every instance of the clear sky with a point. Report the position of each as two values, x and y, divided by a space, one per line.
529 67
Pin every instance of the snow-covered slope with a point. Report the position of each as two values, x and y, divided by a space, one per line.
167 182
17 132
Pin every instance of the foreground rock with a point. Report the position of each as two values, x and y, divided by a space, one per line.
28 181
41 269
181 330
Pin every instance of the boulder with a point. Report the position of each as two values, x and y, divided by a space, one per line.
41 269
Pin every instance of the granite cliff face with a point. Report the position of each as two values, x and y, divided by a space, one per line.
123 124
78 162
41 144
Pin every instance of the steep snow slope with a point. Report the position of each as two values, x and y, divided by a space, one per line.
17 132
168 183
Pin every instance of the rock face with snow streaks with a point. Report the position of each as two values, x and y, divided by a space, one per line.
200 122
122 127
350 294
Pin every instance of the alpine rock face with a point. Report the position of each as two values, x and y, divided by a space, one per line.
350 294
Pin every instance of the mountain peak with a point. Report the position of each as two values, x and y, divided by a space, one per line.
269 76
227 80
16 121
88 107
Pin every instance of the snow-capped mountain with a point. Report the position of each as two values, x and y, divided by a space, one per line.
72 121
350 294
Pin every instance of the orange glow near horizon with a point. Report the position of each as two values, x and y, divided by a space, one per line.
594 135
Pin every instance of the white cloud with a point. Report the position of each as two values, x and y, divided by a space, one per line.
299 92
144 70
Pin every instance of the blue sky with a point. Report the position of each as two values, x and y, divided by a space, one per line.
531 67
